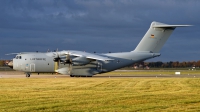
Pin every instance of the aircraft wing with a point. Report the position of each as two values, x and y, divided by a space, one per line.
21 53
12 54
88 55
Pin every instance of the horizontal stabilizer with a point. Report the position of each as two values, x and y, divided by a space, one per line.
169 26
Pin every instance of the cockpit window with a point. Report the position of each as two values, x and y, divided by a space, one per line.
18 57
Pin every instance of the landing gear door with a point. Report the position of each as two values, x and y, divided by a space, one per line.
32 67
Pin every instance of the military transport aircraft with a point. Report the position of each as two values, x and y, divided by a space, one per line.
79 63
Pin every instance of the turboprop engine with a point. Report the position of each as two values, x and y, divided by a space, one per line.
79 61
70 59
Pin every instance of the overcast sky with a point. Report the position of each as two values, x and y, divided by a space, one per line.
97 25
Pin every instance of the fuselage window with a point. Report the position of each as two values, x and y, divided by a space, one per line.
20 57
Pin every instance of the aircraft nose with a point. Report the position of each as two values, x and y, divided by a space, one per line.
10 64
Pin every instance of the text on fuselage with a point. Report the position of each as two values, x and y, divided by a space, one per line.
38 59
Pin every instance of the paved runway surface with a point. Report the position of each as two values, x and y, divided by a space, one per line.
16 74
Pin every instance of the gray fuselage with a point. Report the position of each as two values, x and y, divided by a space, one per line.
44 62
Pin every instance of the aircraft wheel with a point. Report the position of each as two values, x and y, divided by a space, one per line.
28 74
71 75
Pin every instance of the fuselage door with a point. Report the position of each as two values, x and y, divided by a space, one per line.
32 67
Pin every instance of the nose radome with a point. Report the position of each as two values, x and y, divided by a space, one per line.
10 64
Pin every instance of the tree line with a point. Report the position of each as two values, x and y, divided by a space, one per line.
3 62
170 64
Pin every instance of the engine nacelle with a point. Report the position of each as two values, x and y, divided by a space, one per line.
56 59
78 61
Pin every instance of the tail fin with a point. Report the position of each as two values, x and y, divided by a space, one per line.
156 37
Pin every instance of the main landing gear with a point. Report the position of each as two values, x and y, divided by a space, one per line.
28 74
80 76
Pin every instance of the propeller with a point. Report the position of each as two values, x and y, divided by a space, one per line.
57 58
69 61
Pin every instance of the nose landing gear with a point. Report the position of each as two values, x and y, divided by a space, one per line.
28 74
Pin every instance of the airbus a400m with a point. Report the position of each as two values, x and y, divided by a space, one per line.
78 63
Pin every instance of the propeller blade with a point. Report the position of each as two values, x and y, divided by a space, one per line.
69 60
57 57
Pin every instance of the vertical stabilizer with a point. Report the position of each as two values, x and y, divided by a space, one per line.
156 37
